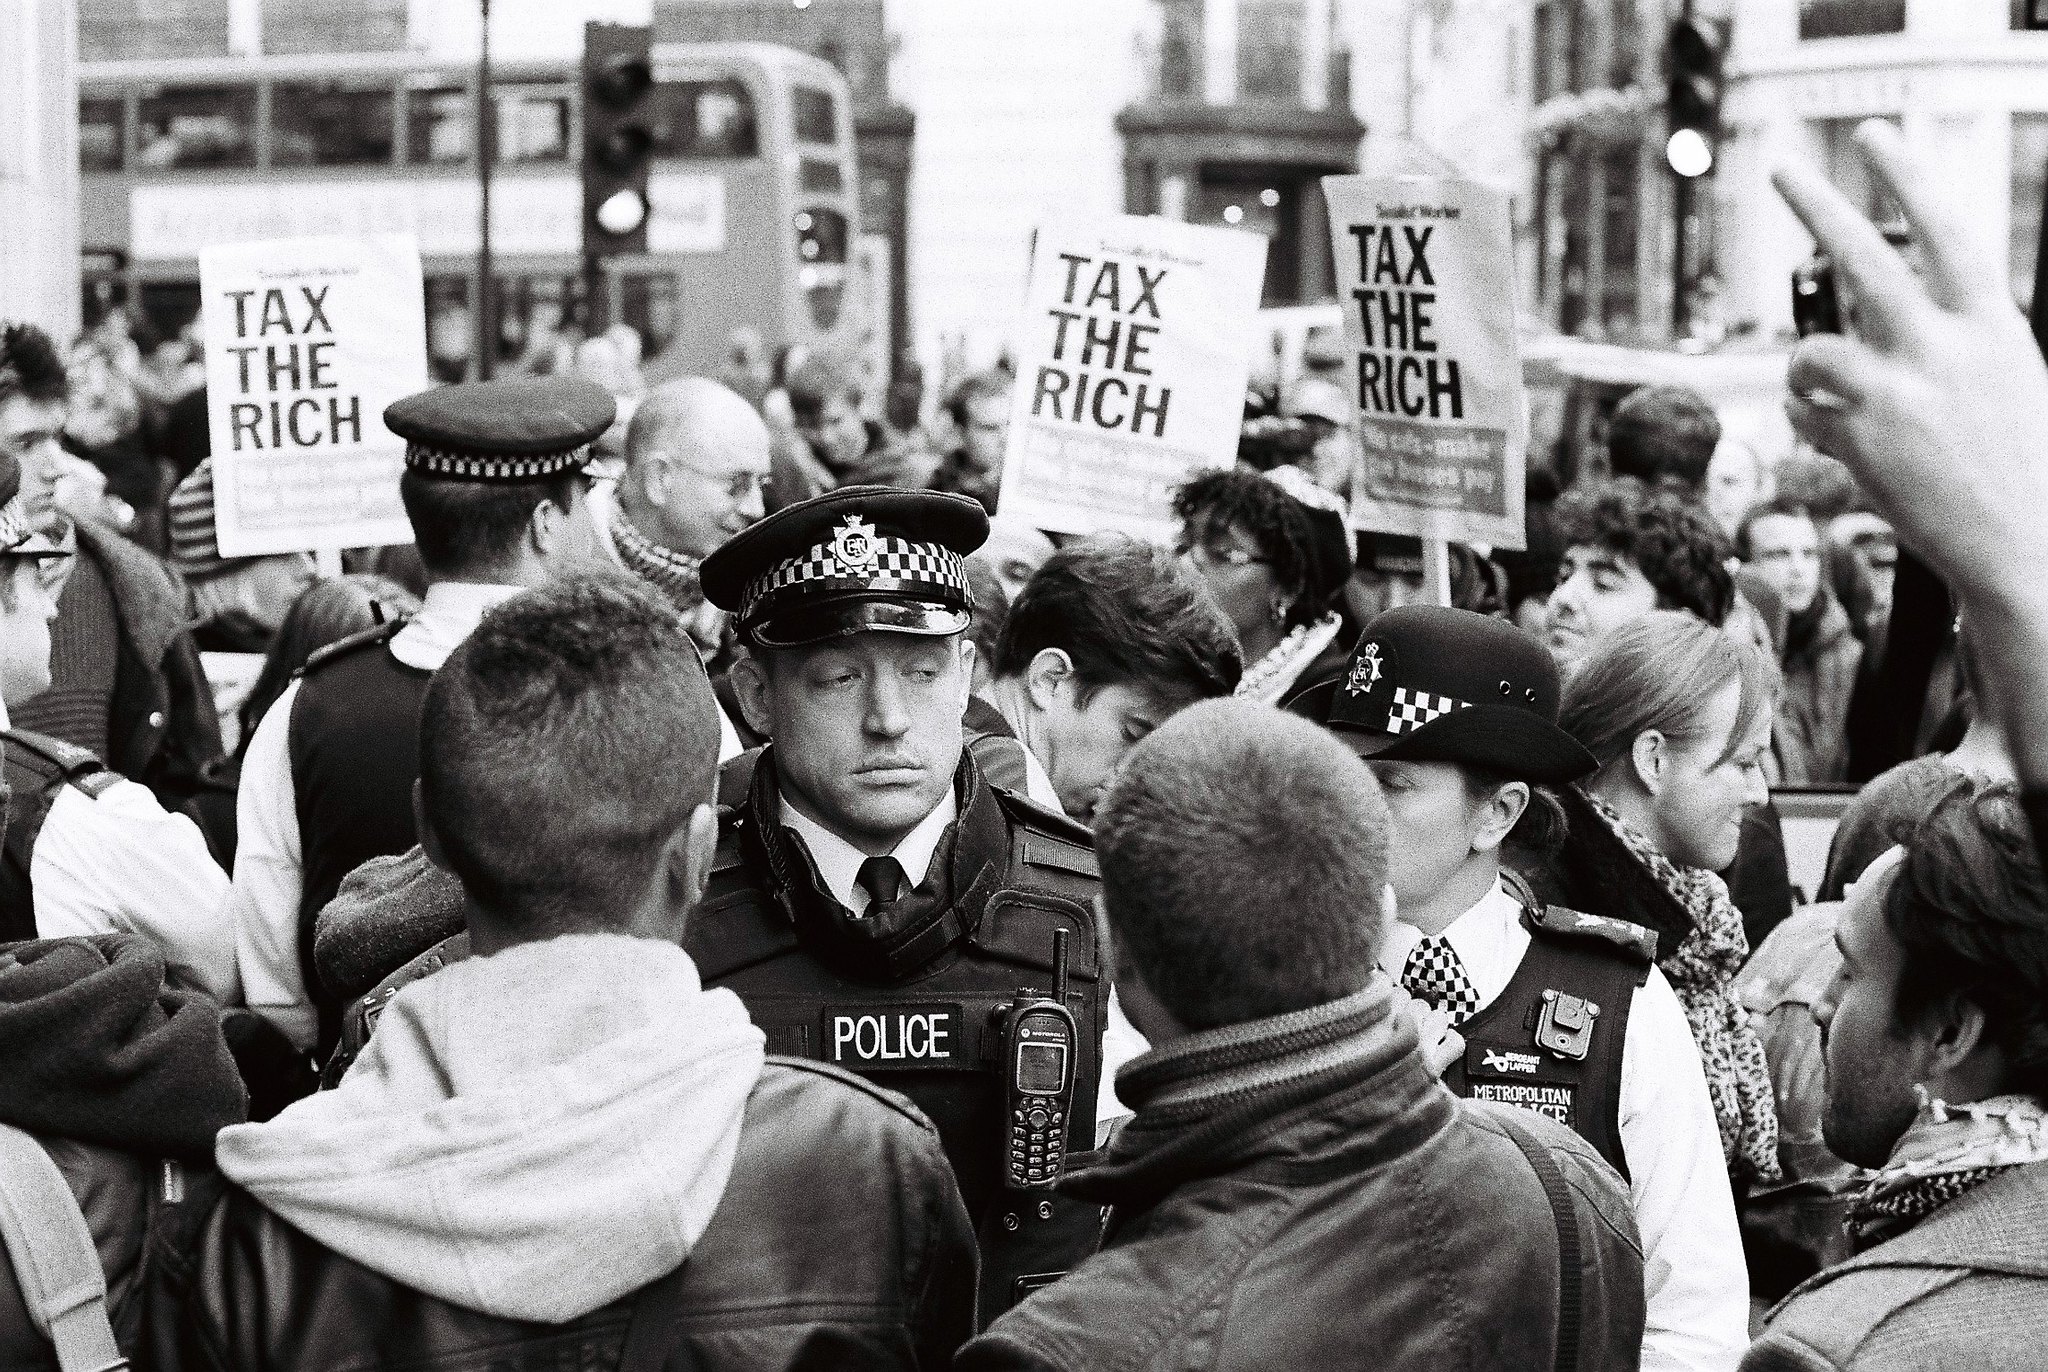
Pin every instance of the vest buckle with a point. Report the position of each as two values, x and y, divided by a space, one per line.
1564 1025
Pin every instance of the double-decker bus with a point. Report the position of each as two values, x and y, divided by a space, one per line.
752 189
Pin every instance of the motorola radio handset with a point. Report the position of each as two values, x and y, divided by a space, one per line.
1039 1042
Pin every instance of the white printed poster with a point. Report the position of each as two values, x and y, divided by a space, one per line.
1132 362
307 340
1426 274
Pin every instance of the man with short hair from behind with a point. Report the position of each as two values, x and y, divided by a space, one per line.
1781 543
1936 1077
1297 1190
1664 436
539 1134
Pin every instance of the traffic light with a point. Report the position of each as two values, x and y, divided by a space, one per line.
618 140
1693 61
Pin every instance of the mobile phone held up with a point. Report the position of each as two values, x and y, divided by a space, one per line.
1816 304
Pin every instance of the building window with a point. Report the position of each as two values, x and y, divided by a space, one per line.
325 125
99 134
2029 182
197 126
704 119
1850 18
1270 37
1620 314
438 129
1556 49
533 123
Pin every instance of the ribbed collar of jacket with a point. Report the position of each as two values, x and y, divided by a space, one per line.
1221 1100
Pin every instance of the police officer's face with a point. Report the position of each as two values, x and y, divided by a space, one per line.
26 609
1431 820
1872 1060
867 728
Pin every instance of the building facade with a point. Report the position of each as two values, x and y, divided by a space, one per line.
1967 86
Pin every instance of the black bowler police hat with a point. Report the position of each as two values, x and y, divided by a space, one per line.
502 430
858 559
1428 684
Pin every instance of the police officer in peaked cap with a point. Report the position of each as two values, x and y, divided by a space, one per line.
1561 1012
875 902
494 488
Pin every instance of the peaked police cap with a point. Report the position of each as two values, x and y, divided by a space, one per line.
858 559
520 430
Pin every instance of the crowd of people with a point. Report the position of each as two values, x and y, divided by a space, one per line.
723 897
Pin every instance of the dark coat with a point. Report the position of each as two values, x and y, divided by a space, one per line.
840 1242
161 726
1966 1287
1374 1222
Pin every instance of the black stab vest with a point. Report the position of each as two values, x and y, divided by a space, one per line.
355 746
1503 1059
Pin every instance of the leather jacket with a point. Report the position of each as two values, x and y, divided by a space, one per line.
840 1242
1350 1216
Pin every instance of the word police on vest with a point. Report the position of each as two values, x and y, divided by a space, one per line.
924 1035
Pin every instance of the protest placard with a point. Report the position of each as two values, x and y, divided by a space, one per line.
307 340
1131 367
1426 273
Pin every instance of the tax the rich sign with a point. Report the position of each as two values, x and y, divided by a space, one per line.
1426 274
307 340
1131 368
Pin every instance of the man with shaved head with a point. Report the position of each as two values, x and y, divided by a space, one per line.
696 474
1297 1189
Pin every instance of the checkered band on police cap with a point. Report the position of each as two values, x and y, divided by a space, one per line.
856 559
494 466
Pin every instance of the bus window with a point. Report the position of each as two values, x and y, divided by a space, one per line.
533 123
438 130
817 118
817 176
198 126
704 119
319 124
99 134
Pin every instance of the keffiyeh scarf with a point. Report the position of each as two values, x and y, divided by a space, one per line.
1702 971
1947 1151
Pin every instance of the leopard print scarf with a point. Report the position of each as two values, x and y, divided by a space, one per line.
1702 971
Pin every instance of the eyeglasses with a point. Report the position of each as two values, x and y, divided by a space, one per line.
1216 553
738 485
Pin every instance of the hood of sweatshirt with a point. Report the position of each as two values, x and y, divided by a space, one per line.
532 1135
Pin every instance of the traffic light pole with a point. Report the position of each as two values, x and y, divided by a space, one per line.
1681 207
486 296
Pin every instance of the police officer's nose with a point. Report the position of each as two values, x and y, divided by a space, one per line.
888 713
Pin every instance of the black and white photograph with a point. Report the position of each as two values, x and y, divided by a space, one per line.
933 686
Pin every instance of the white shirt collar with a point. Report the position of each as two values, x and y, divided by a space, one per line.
448 615
1489 940
839 861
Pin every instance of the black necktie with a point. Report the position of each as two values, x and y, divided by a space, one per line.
882 878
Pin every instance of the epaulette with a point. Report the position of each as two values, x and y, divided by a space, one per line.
69 759
342 647
1050 839
1635 940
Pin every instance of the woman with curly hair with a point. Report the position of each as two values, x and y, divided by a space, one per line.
1678 716
1275 552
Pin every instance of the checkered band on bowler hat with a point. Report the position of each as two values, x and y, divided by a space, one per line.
858 558
1429 684
521 430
